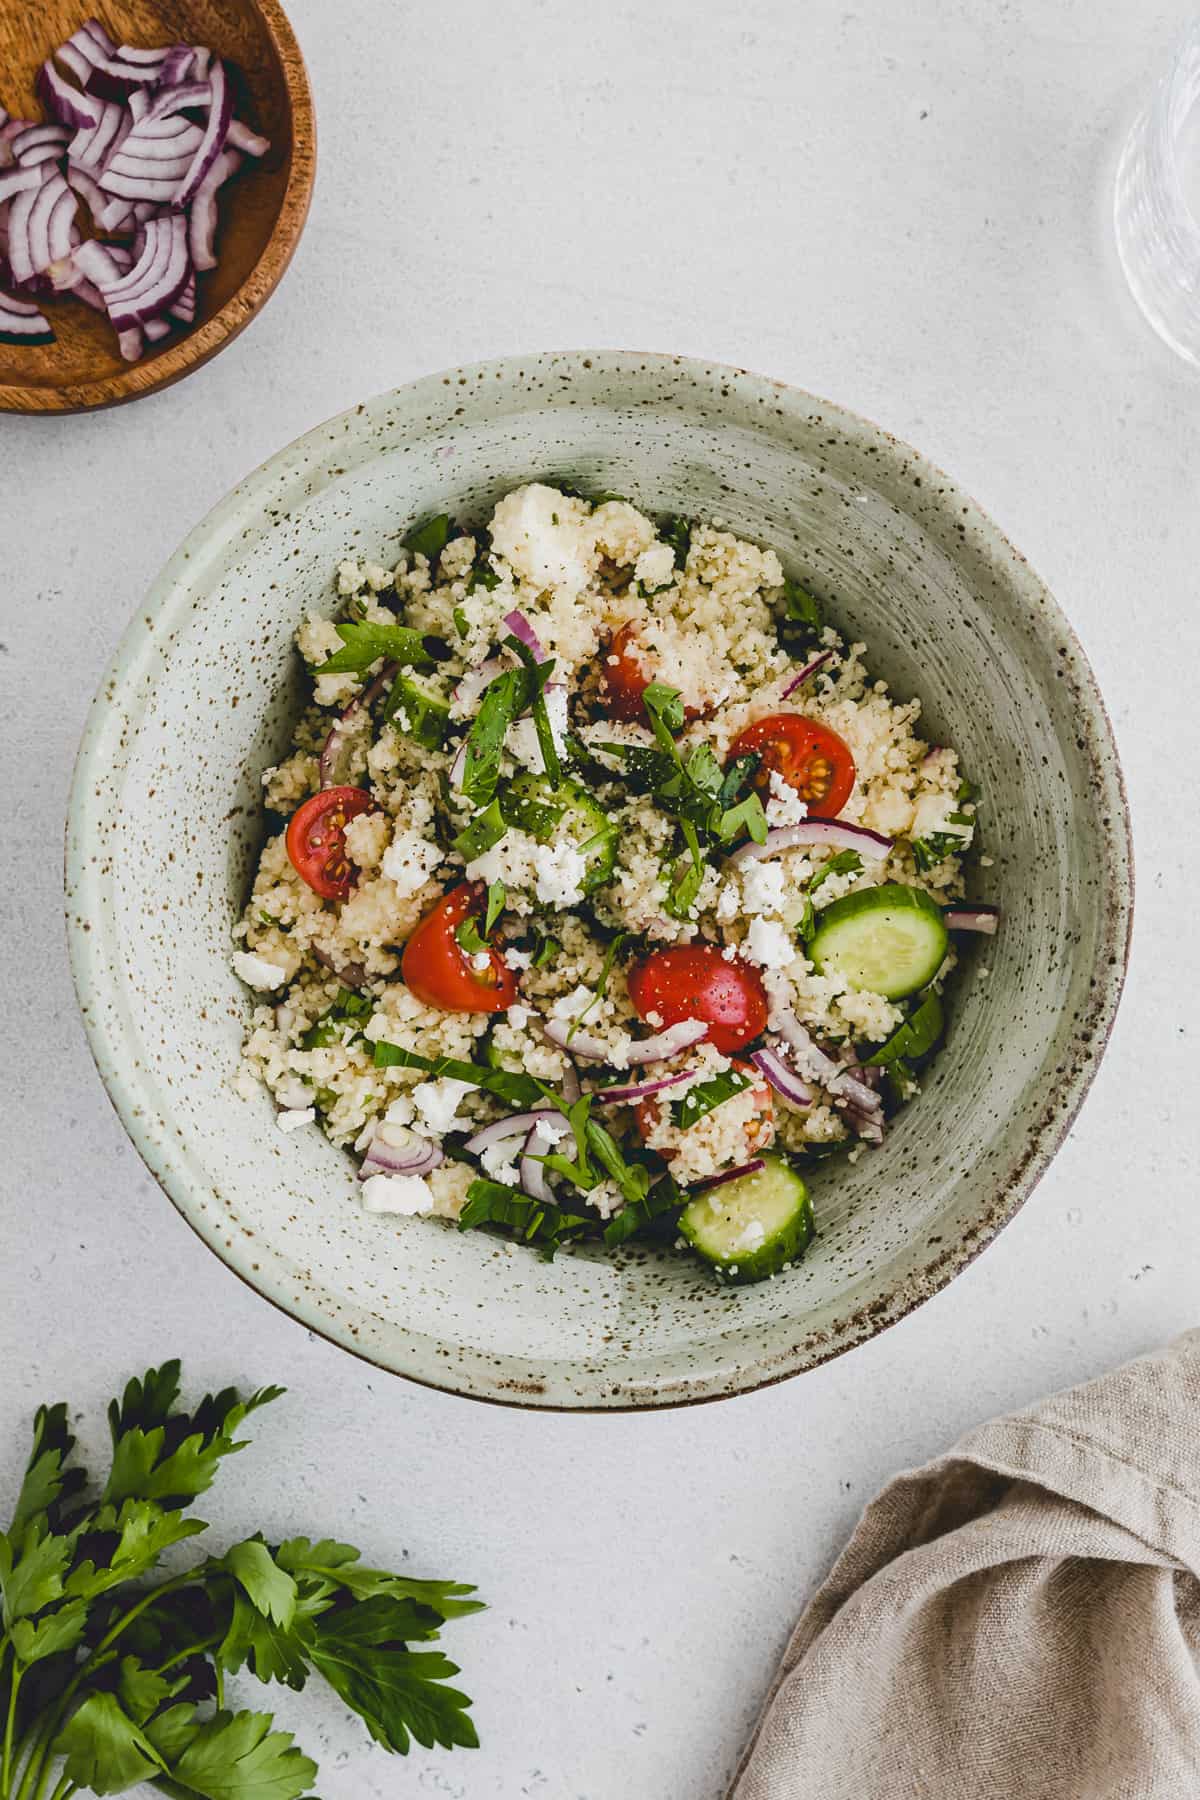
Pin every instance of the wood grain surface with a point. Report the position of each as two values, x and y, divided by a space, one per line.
262 210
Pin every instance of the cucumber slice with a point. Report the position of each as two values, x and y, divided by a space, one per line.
749 1228
418 711
888 940
531 804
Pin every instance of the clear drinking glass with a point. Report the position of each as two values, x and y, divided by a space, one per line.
1157 201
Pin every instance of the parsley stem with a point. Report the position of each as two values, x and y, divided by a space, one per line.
220 1675
9 1724
64 1790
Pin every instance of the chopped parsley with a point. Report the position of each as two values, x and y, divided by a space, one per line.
467 937
677 533
842 862
533 1221
430 537
484 831
502 702
522 1091
702 1099
338 1025
934 849
364 644
495 906
601 987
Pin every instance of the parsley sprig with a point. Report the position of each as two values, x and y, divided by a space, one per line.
364 643
112 1677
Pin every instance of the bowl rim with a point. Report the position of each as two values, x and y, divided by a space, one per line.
198 347
95 959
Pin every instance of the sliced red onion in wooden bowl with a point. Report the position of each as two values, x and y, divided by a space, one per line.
22 323
146 137
830 834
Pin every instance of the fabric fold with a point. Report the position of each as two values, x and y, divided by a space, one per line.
1019 1619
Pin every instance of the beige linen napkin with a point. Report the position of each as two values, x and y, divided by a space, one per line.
1020 1619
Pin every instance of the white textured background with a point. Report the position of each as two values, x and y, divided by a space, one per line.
902 207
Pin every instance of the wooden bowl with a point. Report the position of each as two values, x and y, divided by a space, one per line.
262 211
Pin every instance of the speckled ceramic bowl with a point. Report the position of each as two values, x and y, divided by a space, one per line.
165 827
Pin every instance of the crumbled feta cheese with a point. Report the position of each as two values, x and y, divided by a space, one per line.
256 971
770 944
764 889
517 1016
500 1160
728 903
409 861
752 1235
396 1194
547 537
560 872
400 1111
784 805
655 567
296 1116
518 959
438 1103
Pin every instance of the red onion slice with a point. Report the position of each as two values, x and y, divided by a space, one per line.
69 105
129 343
156 279
523 631
90 149
202 217
332 771
830 834
579 1043
418 1157
517 1125
184 308
22 323
21 179
40 143
750 1168
972 918
571 1088
240 137
638 1090
782 1077
473 681
817 1065
818 662
156 330
667 1043
531 1174
219 114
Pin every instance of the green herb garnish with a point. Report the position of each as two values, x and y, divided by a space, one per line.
601 987
484 831
677 533
700 1100
107 1663
495 1203
332 1026
546 952
842 862
934 849
657 1208
495 906
519 1090
503 701
915 1038
365 643
430 537
467 937
537 674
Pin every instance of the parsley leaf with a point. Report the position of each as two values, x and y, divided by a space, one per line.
842 862
665 707
495 1203
601 987
503 701
495 906
397 1693
701 1099
801 605
519 1090
107 1673
484 831
364 644
661 1204
537 675
929 851
467 937
677 533
430 537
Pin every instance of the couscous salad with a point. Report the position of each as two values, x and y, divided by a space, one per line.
607 889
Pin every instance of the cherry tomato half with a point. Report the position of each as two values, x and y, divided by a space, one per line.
694 981
440 972
625 678
316 840
760 1130
810 757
